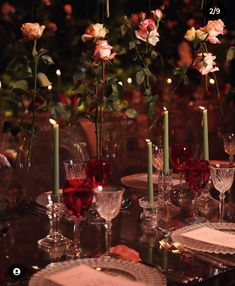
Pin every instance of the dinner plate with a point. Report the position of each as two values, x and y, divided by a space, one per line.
204 246
139 181
115 267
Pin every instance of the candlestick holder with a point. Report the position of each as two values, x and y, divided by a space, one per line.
55 238
149 215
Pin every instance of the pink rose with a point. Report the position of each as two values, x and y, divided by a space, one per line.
147 32
7 9
205 63
68 9
32 31
52 27
95 31
214 29
126 253
103 51
135 18
157 14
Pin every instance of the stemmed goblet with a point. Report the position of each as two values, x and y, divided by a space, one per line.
197 174
229 145
108 203
157 158
222 178
77 197
179 155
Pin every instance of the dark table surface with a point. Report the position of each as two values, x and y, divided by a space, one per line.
20 246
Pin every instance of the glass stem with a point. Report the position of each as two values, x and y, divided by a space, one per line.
221 207
54 218
108 227
76 240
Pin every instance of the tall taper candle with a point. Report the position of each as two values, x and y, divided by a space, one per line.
150 170
56 177
166 142
205 134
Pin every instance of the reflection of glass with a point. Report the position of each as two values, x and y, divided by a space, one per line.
179 156
77 197
197 173
99 174
222 178
55 238
157 158
229 145
108 203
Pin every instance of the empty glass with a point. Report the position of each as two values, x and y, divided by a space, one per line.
222 178
77 197
229 145
108 203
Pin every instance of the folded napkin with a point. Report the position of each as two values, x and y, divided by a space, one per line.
126 253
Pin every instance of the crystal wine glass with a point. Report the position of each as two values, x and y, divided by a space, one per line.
99 174
108 203
157 158
229 145
179 155
197 174
77 197
222 178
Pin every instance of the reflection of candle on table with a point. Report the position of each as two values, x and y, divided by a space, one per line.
166 142
150 171
205 134
56 176
58 73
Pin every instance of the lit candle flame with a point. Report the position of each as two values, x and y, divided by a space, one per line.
202 107
52 121
165 109
147 140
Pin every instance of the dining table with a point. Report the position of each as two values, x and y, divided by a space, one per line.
29 222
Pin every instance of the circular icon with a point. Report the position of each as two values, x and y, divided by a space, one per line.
214 10
16 271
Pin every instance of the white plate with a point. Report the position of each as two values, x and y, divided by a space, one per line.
129 270
139 181
203 246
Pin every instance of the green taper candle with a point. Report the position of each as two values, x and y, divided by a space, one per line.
205 134
166 142
56 177
150 170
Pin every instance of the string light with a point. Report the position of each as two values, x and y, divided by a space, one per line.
49 87
129 80
58 72
169 81
211 81
120 83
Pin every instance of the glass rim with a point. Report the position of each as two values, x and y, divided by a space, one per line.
119 189
229 134
73 162
222 167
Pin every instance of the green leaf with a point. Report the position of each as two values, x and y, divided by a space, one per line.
230 54
131 113
151 109
140 76
147 92
124 29
147 72
20 84
47 60
43 80
132 45
42 52
154 54
60 111
148 99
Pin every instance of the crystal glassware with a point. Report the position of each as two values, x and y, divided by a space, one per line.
157 158
229 145
222 178
99 174
108 204
197 174
77 197
55 239
149 213
179 155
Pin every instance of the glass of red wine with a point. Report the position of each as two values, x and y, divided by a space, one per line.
197 174
179 155
99 173
77 197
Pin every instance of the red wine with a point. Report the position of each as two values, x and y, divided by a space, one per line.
77 197
179 155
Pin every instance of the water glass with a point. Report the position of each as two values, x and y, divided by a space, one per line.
222 179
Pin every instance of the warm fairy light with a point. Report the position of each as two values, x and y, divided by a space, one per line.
120 83
202 107
52 121
100 188
169 80
164 108
129 80
49 87
58 72
98 269
211 81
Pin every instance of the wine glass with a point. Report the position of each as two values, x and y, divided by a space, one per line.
179 155
108 204
222 178
99 174
229 145
197 174
157 158
77 197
